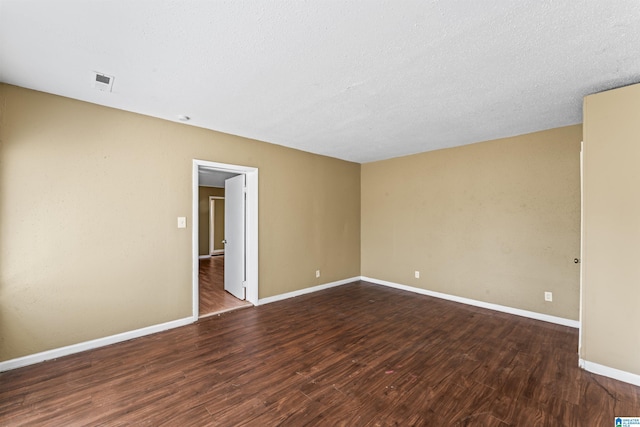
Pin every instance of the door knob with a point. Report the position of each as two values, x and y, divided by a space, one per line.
224 242
576 260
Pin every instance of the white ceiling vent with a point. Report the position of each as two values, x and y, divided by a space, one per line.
103 82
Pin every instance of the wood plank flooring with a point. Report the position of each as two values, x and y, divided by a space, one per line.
355 355
213 298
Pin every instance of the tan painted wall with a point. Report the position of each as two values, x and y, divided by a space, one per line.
611 257
89 198
218 225
203 217
497 221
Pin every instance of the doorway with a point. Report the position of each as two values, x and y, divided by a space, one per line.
208 269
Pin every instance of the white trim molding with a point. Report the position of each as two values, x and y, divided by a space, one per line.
476 303
606 371
306 291
32 359
204 256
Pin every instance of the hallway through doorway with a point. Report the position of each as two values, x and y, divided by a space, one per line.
213 299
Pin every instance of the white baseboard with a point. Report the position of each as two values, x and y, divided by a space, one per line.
217 252
488 305
306 291
614 373
32 359
204 256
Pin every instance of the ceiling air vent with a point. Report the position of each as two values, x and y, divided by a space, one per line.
103 82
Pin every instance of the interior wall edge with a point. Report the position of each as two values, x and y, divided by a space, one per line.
607 371
305 291
468 301
32 359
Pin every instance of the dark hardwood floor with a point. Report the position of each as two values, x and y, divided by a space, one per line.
213 299
355 355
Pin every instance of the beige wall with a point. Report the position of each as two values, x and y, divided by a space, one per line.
218 225
89 198
611 257
203 219
497 221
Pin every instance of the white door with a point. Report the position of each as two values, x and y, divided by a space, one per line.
234 234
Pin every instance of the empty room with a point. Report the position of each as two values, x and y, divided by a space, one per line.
430 213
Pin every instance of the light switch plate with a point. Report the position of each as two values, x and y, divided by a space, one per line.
182 222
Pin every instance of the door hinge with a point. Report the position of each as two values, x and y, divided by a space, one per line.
244 284
244 189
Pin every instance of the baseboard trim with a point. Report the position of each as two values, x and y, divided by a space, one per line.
476 303
606 371
217 252
306 291
204 256
32 359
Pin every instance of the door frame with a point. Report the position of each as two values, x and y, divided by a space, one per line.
251 212
212 223
580 312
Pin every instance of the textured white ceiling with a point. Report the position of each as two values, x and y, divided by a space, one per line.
358 80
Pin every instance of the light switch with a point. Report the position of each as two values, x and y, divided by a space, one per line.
182 222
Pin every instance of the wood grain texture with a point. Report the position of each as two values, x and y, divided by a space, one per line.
213 298
355 355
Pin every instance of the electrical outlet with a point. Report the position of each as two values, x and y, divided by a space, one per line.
182 222
317 273
417 274
548 296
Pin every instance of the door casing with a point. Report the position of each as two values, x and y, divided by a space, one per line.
251 248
